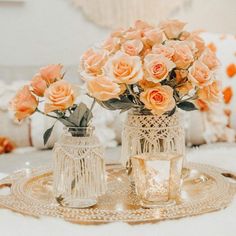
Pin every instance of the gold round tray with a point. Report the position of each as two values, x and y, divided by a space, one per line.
205 189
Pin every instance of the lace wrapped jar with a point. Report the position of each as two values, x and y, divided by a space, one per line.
79 168
154 147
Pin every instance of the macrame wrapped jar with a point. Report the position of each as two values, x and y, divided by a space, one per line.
79 168
154 147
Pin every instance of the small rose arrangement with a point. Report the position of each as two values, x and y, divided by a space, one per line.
153 69
58 97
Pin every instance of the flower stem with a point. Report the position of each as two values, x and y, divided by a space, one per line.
55 117
133 94
46 114
92 106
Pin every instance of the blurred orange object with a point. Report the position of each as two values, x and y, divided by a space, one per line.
212 46
202 105
231 70
6 145
228 113
228 94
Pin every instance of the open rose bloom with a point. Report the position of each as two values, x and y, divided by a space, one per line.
152 68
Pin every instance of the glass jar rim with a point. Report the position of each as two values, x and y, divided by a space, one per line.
79 131
79 128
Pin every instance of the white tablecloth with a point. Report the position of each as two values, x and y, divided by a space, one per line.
221 223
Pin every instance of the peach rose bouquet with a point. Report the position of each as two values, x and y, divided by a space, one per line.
58 98
153 69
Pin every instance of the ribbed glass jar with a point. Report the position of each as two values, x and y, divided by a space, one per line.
79 168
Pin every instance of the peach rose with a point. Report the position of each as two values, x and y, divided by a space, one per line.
184 35
144 84
59 96
103 89
122 68
164 50
181 75
141 25
117 33
158 99
147 48
92 63
132 34
198 41
39 85
185 88
137 32
154 36
24 103
112 44
172 28
51 73
132 47
199 74
209 58
183 55
145 51
211 93
157 67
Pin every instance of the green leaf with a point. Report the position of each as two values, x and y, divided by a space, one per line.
80 113
65 122
86 118
124 103
125 109
186 106
47 135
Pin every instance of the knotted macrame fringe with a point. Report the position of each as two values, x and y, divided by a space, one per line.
151 135
79 169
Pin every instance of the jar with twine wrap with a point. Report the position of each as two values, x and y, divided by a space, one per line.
153 149
79 168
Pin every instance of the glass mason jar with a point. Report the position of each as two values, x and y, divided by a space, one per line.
78 168
154 147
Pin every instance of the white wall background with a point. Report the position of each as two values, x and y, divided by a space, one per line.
38 32
216 16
